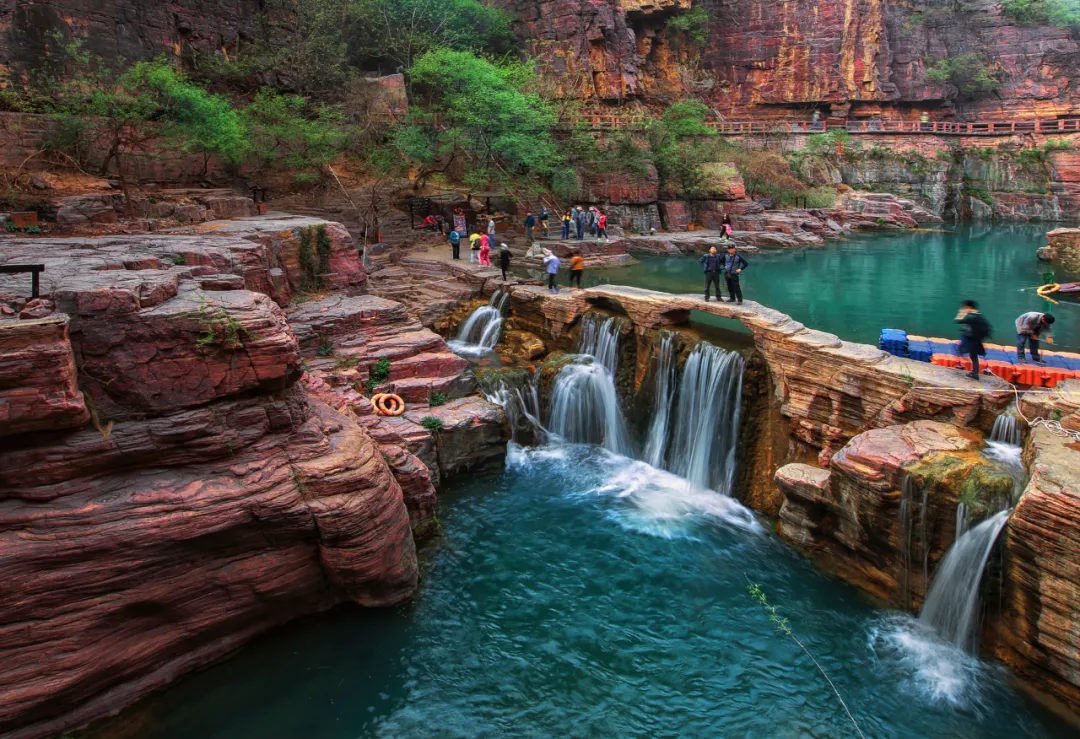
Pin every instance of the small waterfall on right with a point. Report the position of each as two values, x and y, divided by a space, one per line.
706 423
952 605
480 332
1007 429
664 391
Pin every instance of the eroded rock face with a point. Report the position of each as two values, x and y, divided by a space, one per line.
1036 634
1063 247
859 521
38 386
146 565
210 497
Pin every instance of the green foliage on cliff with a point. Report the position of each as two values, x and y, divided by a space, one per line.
286 132
402 31
971 75
1044 12
481 116
693 25
681 144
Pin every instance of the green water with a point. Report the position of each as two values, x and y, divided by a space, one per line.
584 595
913 281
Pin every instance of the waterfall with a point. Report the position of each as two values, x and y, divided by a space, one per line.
480 332
952 605
600 340
584 404
585 408
706 424
907 495
663 392
521 404
1007 429
961 520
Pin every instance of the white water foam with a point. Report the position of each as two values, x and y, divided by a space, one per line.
641 498
927 666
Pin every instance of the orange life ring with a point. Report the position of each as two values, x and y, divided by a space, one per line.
388 404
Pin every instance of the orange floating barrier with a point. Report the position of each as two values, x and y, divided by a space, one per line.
945 360
1005 370
1051 376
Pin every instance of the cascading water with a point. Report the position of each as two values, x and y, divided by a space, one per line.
521 403
584 404
952 605
585 408
1007 429
600 340
663 393
706 423
907 496
480 332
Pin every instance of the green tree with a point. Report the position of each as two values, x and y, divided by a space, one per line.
287 133
681 144
401 31
1044 12
692 25
127 112
971 75
482 117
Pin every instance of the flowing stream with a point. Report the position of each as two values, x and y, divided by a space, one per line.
952 605
656 442
480 332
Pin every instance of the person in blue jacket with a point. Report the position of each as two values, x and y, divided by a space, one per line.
734 264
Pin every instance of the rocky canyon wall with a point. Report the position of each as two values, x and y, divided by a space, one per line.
186 460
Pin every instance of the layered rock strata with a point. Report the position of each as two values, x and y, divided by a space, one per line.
152 415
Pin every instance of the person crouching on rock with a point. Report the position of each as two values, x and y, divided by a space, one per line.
577 267
504 259
734 264
551 264
1029 328
974 328
712 264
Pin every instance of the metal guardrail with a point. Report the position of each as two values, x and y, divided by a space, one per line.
949 128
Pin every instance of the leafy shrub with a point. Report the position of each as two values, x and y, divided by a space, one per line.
1043 12
326 348
10 227
971 75
378 374
432 424
437 399
693 25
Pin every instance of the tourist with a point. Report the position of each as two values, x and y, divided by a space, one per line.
592 222
579 221
455 244
973 329
530 224
601 232
577 267
551 264
428 224
734 264
544 222
485 251
504 259
712 264
566 220
1030 327
474 247
491 232
725 227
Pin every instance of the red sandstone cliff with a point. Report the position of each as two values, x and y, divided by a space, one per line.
168 489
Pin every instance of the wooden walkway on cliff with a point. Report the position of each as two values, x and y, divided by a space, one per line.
605 121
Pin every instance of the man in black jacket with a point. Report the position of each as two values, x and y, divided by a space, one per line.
712 264
973 329
734 264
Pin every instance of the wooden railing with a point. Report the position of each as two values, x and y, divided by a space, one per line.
603 121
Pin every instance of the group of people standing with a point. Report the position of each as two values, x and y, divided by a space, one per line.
582 222
730 265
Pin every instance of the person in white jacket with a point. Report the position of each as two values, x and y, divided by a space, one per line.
551 264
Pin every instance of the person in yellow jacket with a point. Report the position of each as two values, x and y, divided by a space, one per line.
474 247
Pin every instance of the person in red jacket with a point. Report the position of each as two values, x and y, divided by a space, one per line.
602 232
